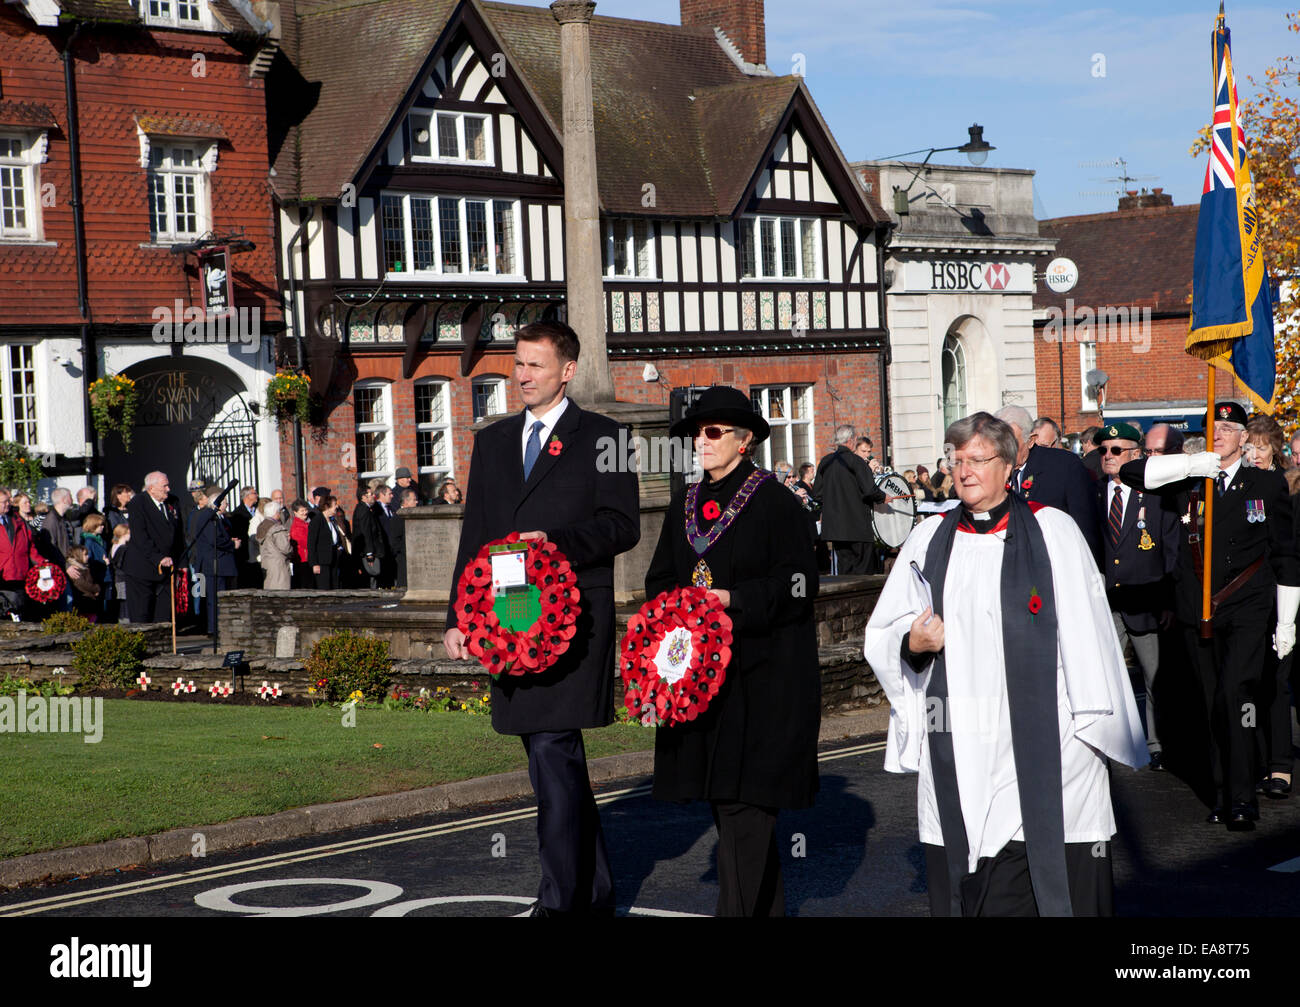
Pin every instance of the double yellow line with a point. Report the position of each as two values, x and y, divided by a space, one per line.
148 885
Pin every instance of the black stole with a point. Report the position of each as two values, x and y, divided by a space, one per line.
1030 646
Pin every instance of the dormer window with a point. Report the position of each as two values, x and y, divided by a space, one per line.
178 189
451 136
173 13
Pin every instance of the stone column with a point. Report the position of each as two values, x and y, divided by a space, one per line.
582 260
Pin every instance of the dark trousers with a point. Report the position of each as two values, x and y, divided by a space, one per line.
148 601
1001 886
749 867
326 580
1230 666
570 843
1274 736
856 558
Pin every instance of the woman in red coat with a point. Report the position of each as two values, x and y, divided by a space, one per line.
17 554
298 535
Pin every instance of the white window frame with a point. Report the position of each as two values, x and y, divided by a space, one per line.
385 428
8 401
167 14
498 386
1087 362
435 205
629 242
782 426
31 154
163 149
753 224
433 157
443 387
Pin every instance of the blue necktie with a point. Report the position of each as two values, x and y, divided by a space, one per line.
533 448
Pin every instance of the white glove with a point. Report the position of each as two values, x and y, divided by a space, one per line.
1288 602
1164 469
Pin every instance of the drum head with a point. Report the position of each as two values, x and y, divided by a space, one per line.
893 519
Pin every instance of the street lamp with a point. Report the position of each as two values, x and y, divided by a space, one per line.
975 149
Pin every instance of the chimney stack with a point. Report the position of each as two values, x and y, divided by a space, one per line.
740 20
1134 200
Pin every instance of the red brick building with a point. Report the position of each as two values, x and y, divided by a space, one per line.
420 217
130 136
1127 316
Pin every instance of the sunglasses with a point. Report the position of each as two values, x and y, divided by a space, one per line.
714 433
1116 450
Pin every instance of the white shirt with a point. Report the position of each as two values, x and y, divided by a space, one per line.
1097 714
549 420
1230 472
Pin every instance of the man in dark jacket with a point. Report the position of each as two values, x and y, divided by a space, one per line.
1139 552
1053 478
846 490
157 541
369 546
536 473
408 498
250 571
57 534
384 509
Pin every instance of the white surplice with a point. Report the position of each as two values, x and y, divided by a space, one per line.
1097 712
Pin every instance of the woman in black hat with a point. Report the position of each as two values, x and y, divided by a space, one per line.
742 535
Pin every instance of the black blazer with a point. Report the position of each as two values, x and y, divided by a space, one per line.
1237 543
153 536
592 516
1057 478
1139 582
321 550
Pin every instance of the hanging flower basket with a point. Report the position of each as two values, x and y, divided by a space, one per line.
675 656
287 397
524 631
113 402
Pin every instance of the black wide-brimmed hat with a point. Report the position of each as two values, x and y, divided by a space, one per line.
725 405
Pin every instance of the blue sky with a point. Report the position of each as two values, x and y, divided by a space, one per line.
906 74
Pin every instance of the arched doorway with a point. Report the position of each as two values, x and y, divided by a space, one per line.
193 423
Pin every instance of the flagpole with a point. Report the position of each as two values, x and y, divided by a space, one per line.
1207 628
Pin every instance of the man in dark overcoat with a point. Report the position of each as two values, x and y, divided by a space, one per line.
157 541
846 491
536 473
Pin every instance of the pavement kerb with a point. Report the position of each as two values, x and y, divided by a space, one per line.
324 818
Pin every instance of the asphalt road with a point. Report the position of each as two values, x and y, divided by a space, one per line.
855 854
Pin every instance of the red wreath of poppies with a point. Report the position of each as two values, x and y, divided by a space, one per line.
650 698
182 591
503 651
58 584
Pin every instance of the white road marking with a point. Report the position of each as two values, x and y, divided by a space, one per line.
149 885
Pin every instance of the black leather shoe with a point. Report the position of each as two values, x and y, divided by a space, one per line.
1243 818
1276 788
1217 817
1157 763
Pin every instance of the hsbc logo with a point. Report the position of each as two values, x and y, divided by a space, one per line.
959 275
997 275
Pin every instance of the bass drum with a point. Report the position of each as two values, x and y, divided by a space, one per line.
893 519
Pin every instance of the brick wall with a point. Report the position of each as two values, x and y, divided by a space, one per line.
853 377
1163 372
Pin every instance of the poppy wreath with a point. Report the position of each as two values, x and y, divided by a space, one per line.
45 583
674 656
182 591
501 649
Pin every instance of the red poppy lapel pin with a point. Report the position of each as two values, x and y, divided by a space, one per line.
1028 484
555 446
711 510
1035 603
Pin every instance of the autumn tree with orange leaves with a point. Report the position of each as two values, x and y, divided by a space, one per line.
1270 120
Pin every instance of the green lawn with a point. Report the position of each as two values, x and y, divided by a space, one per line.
170 765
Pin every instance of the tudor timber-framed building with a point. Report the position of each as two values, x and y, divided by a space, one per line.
420 222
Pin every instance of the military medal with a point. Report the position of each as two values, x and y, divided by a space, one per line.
1146 542
702 542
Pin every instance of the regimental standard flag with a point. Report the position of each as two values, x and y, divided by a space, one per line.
1232 310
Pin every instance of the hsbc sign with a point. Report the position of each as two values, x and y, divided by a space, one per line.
963 275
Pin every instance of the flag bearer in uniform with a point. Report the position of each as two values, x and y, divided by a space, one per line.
1253 563
1008 694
